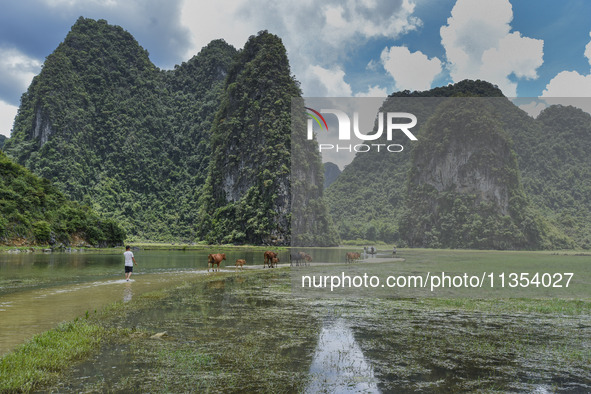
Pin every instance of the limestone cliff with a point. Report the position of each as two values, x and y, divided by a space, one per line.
464 189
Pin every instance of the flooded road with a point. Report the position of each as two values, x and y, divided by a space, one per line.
38 291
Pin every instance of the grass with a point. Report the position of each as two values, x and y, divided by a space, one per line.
553 306
42 360
47 357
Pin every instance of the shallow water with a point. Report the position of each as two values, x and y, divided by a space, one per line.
38 290
25 313
339 365
255 336
259 335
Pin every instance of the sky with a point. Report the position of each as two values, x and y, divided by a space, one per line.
529 48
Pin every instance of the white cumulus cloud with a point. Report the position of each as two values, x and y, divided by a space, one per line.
7 115
568 84
324 82
412 71
479 44
571 87
17 70
588 50
373 91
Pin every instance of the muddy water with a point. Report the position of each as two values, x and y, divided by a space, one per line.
38 291
26 313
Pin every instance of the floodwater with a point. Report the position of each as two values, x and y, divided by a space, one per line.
339 365
259 336
255 336
38 290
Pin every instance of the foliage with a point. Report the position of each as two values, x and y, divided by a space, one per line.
114 132
311 224
372 192
34 210
46 356
202 152
247 195
331 173
556 168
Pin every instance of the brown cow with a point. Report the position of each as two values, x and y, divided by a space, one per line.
352 256
307 258
271 259
215 259
349 257
240 262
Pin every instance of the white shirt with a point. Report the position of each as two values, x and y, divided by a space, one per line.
128 258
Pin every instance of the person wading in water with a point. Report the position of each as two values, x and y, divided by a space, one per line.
129 262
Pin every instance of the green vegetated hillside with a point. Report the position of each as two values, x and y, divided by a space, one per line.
556 170
203 153
483 174
311 224
247 197
367 201
33 211
247 193
113 131
331 173
200 152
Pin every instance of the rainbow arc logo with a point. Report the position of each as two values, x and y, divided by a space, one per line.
317 117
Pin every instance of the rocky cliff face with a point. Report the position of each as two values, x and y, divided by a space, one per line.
464 188
247 193
370 193
469 166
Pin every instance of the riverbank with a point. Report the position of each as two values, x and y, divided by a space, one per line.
140 246
246 331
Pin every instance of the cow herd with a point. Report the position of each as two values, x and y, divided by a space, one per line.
271 259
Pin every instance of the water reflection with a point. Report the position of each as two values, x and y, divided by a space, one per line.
29 312
127 292
339 365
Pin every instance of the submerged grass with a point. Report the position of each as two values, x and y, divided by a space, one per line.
214 335
247 332
47 355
